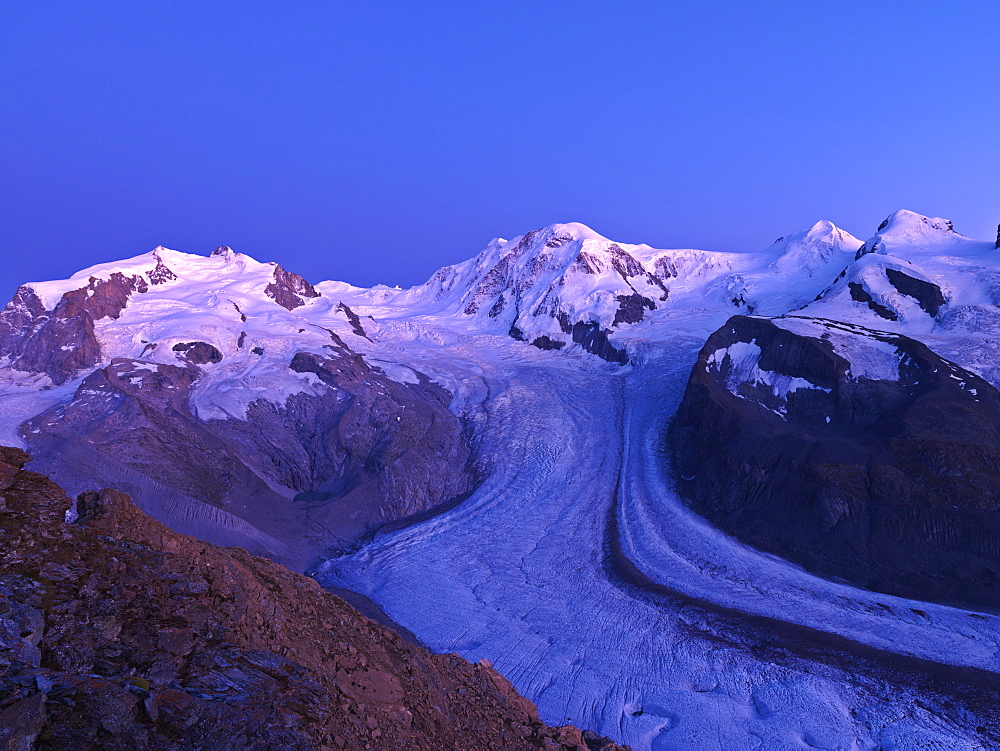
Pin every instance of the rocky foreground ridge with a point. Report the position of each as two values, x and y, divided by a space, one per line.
116 632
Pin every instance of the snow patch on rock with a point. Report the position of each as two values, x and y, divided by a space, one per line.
871 354
739 365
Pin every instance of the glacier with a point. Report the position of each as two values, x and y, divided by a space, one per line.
581 576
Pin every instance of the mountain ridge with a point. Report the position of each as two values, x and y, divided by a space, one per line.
119 633
537 286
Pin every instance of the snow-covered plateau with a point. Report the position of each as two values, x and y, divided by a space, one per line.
486 457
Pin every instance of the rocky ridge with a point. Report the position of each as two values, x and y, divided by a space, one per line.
118 633
856 453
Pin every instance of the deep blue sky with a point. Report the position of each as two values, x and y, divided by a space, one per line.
374 142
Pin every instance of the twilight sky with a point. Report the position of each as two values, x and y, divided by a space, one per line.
374 142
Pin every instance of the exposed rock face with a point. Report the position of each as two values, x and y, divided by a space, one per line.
118 633
632 308
857 454
199 353
927 294
368 433
136 414
18 320
161 273
594 339
291 479
546 343
860 294
62 342
288 289
353 319
875 245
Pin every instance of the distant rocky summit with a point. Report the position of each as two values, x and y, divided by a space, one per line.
855 453
117 633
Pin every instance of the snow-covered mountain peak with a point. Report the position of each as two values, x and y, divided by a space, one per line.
823 226
904 220
908 227
826 231
559 234
810 250
555 245
551 286
62 327
222 263
159 266
163 268
916 275
565 283
823 231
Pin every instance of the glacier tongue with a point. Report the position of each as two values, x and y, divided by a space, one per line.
579 574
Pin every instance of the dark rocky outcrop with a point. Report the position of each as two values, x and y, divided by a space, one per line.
353 319
547 343
891 484
19 318
875 245
200 353
860 294
160 273
134 415
288 289
628 266
118 633
392 448
62 342
515 333
588 263
588 334
594 339
927 294
498 307
669 267
631 308
107 298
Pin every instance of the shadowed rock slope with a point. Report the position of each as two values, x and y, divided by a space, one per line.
287 481
116 632
855 453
